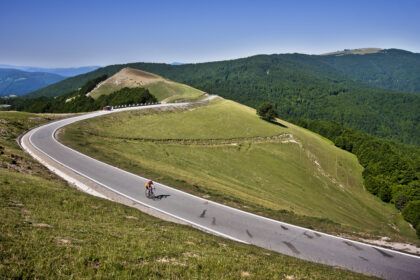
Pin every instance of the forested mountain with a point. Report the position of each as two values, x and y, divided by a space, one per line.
300 86
16 82
389 69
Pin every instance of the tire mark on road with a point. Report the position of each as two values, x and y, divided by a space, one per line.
292 247
383 253
203 214
348 243
308 235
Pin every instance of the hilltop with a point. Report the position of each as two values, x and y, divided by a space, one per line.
128 86
360 51
164 90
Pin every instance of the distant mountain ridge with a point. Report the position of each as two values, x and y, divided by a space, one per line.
391 69
17 82
66 72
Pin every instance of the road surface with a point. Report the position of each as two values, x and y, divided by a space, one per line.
223 220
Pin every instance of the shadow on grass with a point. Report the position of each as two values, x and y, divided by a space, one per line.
278 123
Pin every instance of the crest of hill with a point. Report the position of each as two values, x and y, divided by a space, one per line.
164 90
360 51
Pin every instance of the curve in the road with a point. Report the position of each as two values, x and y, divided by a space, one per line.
221 219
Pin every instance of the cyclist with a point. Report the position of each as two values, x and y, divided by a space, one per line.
149 188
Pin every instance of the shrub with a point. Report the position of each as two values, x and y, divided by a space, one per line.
385 193
400 201
411 212
418 230
267 112
373 184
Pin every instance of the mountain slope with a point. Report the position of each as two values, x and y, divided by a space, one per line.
16 82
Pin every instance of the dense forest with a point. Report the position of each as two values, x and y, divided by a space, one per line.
391 169
389 69
77 101
300 86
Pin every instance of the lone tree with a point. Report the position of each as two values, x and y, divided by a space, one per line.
266 112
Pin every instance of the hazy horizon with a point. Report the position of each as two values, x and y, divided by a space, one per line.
98 33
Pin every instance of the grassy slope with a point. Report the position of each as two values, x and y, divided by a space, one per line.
173 91
49 230
318 184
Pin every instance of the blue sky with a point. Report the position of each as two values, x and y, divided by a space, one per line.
76 33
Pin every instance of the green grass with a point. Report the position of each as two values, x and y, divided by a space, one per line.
173 91
206 123
311 183
49 230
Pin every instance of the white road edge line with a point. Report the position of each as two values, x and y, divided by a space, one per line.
182 219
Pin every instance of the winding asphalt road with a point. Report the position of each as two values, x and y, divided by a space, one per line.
222 220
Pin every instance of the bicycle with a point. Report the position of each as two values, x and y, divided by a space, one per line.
152 193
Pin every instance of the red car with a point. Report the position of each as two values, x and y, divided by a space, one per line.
108 108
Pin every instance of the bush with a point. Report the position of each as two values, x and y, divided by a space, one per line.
385 193
418 230
400 201
373 184
411 212
267 112
126 96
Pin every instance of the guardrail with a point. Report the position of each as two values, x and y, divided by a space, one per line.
134 105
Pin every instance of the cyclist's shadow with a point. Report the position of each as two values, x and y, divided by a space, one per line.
159 197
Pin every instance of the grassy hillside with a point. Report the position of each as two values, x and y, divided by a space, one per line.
225 152
49 230
301 86
162 89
